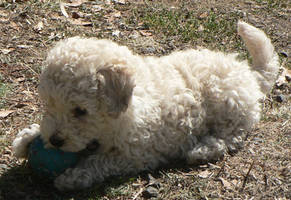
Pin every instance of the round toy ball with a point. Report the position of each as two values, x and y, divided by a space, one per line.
49 162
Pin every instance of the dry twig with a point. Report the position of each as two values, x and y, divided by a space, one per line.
246 176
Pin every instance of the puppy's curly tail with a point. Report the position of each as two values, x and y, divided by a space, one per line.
265 59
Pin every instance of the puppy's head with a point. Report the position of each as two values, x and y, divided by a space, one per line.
84 94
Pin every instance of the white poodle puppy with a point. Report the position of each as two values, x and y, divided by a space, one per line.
134 113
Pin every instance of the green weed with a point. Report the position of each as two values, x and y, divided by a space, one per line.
4 88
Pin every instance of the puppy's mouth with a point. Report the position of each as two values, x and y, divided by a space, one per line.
90 149
93 146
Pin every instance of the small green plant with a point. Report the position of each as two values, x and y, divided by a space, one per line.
3 91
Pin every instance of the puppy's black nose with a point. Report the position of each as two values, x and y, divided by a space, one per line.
56 140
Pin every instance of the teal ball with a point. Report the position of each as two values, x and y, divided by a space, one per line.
49 162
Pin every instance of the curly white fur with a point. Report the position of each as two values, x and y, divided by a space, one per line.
145 111
24 137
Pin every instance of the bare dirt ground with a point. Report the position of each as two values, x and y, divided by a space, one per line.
261 170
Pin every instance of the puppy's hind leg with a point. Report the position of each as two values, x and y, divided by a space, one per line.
211 149
208 149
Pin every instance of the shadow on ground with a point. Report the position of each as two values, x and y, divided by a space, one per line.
20 183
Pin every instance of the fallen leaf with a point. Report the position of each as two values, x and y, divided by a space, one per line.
5 113
80 22
117 14
39 26
112 17
203 166
225 183
15 26
3 19
122 2
204 174
213 166
63 10
21 79
55 16
75 3
108 2
23 46
27 92
234 182
7 51
3 13
97 8
140 24
203 15
145 33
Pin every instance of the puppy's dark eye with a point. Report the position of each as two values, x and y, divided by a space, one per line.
79 112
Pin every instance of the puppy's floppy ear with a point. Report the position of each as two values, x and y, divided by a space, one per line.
115 85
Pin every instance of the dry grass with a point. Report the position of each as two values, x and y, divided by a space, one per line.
261 170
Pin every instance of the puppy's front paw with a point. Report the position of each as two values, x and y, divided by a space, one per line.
23 138
74 179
